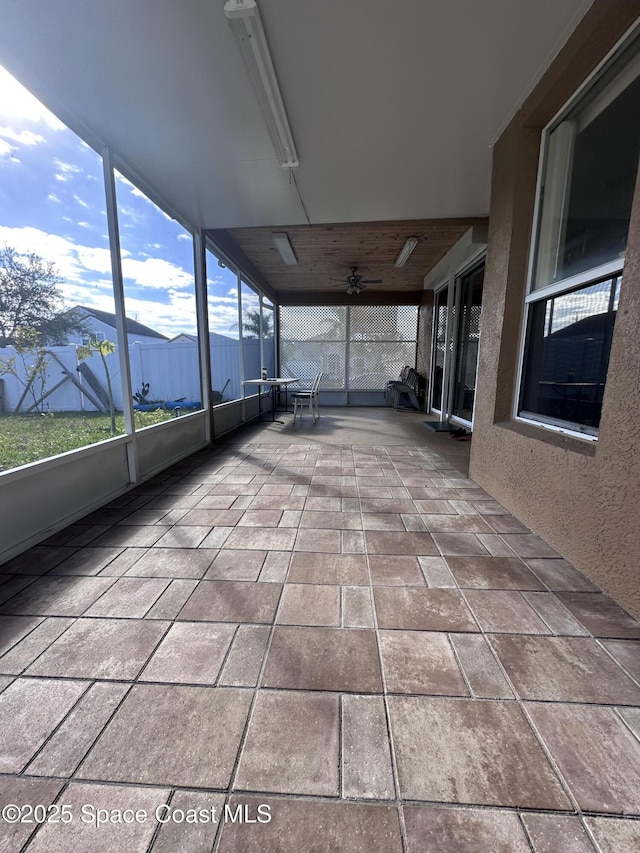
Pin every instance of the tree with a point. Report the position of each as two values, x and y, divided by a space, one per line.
103 348
30 298
253 322
33 375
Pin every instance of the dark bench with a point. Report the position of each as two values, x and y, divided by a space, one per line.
405 392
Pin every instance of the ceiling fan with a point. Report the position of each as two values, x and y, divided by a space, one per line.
356 283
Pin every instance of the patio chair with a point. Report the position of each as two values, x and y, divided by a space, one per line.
308 398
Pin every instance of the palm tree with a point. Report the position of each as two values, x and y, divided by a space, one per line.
254 322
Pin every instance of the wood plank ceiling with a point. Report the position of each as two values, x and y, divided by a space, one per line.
327 253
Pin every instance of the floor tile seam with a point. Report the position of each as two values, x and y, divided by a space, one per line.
158 827
72 776
589 833
286 796
131 682
155 600
32 835
530 840
340 756
522 596
600 643
23 672
617 711
392 751
411 802
43 619
564 784
552 762
136 682
458 661
466 603
490 632
217 841
55 730
256 692
225 657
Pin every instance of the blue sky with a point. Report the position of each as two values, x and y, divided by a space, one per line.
52 202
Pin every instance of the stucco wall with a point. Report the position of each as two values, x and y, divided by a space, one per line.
583 498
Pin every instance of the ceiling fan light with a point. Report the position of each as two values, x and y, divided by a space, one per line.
285 249
405 251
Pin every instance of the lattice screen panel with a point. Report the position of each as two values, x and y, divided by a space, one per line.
383 322
382 340
373 363
305 359
313 323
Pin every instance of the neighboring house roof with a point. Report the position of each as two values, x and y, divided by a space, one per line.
184 336
133 327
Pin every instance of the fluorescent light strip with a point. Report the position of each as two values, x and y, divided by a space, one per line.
405 251
244 18
282 244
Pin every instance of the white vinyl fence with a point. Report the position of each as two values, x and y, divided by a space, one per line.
170 369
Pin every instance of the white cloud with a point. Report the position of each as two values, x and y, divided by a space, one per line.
24 137
80 201
184 236
178 316
223 300
156 272
19 106
65 170
86 280
53 197
83 225
74 262
6 148
124 210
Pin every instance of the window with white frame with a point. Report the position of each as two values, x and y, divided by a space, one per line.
587 179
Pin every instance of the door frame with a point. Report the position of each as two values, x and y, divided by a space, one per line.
452 335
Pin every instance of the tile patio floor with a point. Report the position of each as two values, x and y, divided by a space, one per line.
354 634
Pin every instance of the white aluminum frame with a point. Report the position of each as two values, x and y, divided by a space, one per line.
610 269
451 338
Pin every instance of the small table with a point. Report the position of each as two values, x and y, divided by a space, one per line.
273 383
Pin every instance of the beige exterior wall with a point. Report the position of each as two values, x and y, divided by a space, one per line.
583 498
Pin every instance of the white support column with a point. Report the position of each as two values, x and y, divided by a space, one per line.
453 324
240 347
118 295
202 319
261 320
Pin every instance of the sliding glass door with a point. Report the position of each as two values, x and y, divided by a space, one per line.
467 344
456 339
440 314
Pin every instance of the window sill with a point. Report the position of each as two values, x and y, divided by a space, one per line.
555 439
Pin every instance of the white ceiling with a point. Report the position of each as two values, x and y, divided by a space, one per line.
394 104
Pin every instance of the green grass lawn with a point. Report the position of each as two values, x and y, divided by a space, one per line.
29 438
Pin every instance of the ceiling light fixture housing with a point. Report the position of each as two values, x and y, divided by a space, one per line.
244 18
405 251
284 247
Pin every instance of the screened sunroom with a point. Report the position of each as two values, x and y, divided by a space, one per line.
402 617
